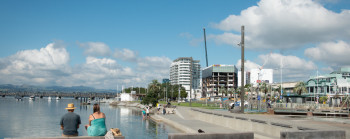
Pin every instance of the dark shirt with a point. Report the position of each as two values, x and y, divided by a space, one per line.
70 122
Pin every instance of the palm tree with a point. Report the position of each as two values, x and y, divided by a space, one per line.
264 88
231 91
300 88
223 90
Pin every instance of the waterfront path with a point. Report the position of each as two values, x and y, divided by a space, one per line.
183 121
263 125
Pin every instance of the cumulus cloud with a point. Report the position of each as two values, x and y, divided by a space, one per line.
155 66
35 66
95 49
285 24
192 40
331 53
50 66
293 67
248 65
126 55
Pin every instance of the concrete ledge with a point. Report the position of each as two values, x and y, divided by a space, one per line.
243 135
319 134
78 137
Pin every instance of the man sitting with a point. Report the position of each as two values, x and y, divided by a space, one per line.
70 122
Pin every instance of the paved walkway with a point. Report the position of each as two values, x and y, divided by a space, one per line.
187 124
184 120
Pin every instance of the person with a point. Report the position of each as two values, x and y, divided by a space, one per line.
147 112
164 110
97 122
158 107
70 122
143 113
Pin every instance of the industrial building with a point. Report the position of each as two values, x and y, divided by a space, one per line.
217 76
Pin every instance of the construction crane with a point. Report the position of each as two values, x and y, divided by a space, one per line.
205 44
261 67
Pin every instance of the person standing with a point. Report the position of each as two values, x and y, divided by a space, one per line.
147 112
70 122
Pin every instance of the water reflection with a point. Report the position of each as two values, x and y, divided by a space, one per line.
21 118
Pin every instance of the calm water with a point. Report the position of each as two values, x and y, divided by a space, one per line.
40 118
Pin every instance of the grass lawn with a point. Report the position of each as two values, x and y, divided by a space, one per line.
194 104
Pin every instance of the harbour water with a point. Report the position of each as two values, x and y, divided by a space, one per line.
41 117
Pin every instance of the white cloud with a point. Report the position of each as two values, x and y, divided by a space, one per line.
248 65
35 66
293 67
186 35
126 55
95 49
331 53
50 66
285 24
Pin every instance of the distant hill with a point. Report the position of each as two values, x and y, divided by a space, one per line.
31 88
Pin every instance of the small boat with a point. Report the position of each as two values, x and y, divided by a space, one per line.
49 98
32 98
18 98
58 98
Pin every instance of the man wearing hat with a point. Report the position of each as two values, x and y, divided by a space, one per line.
70 122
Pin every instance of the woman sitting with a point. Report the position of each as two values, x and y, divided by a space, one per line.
97 122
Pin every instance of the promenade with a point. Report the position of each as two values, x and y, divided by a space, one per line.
264 126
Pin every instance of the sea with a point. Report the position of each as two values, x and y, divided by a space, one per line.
41 118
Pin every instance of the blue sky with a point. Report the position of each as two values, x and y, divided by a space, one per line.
108 43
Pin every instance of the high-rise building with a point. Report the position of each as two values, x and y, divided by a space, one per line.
180 73
218 77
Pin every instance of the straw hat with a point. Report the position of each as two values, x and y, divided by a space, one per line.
116 132
70 106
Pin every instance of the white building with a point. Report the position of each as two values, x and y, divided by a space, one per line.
260 76
180 71
246 78
126 97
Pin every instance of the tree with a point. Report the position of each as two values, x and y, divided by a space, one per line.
223 90
300 88
263 88
153 93
183 93
231 91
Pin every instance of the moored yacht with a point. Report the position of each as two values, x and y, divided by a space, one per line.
32 97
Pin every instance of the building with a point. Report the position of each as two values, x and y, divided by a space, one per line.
246 78
216 77
180 74
165 81
261 76
335 85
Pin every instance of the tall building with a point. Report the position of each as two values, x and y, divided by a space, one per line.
246 78
261 76
216 77
180 71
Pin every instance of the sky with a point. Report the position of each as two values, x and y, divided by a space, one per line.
108 44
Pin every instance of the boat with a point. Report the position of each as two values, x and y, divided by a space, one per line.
58 98
18 98
49 98
32 98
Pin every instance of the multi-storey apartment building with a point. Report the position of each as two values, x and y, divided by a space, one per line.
180 73
218 77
